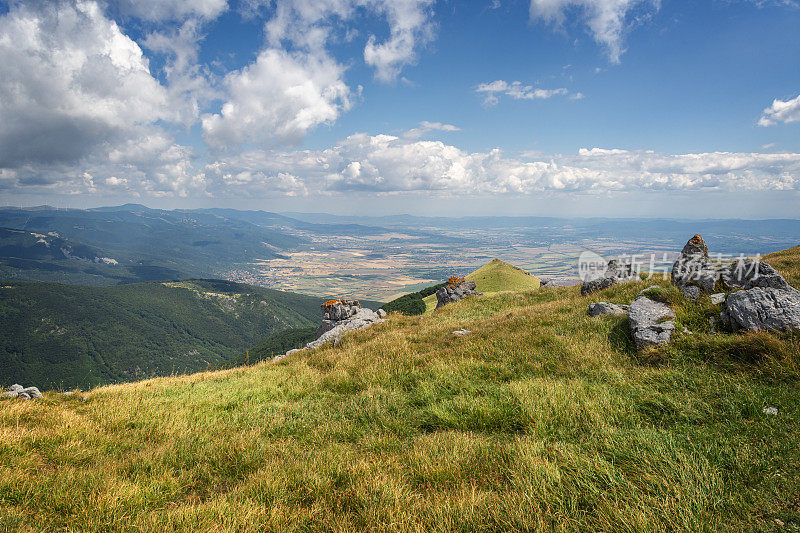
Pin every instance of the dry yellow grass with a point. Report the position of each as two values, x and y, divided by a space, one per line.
543 419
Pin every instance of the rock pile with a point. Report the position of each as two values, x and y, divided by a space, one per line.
455 290
614 273
339 317
21 393
694 271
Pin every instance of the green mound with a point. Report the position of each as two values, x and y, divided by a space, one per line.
499 276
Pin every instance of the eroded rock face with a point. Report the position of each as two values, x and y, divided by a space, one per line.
616 272
455 293
605 308
763 308
651 322
694 268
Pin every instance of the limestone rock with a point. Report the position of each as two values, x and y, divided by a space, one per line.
615 273
455 293
751 273
691 292
33 392
761 308
15 388
9 394
718 298
605 308
694 268
461 332
650 322
23 396
381 313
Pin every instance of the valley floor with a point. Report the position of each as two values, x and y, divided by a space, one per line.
543 419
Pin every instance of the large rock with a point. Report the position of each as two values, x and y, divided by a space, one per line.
616 272
605 308
763 308
15 388
33 392
650 322
335 312
694 268
455 292
751 273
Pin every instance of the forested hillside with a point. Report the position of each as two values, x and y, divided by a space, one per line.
66 336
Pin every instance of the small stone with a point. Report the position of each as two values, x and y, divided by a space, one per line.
771 411
779 522
381 313
84 398
718 298
605 308
461 332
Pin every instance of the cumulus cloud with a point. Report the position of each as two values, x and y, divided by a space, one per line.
70 83
311 25
278 99
781 111
387 164
517 91
607 20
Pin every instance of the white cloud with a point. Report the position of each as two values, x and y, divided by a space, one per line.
517 91
71 83
425 127
387 165
607 20
311 25
781 111
278 99
161 10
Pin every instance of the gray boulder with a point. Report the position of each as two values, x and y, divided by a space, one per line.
363 319
23 396
694 268
15 388
33 392
650 322
763 308
455 293
751 273
615 272
9 394
605 308
334 312
381 313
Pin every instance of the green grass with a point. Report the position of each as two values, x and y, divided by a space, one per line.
498 276
543 419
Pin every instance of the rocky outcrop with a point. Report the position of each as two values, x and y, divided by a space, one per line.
615 272
750 273
339 317
22 393
334 312
605 308
763 308
455 290
651 322
694 271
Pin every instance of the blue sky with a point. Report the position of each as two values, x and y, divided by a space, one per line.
556 107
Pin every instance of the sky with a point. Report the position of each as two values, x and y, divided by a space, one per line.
619 108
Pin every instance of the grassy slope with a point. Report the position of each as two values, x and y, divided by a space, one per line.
63 335
543 419
496 276
788 263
